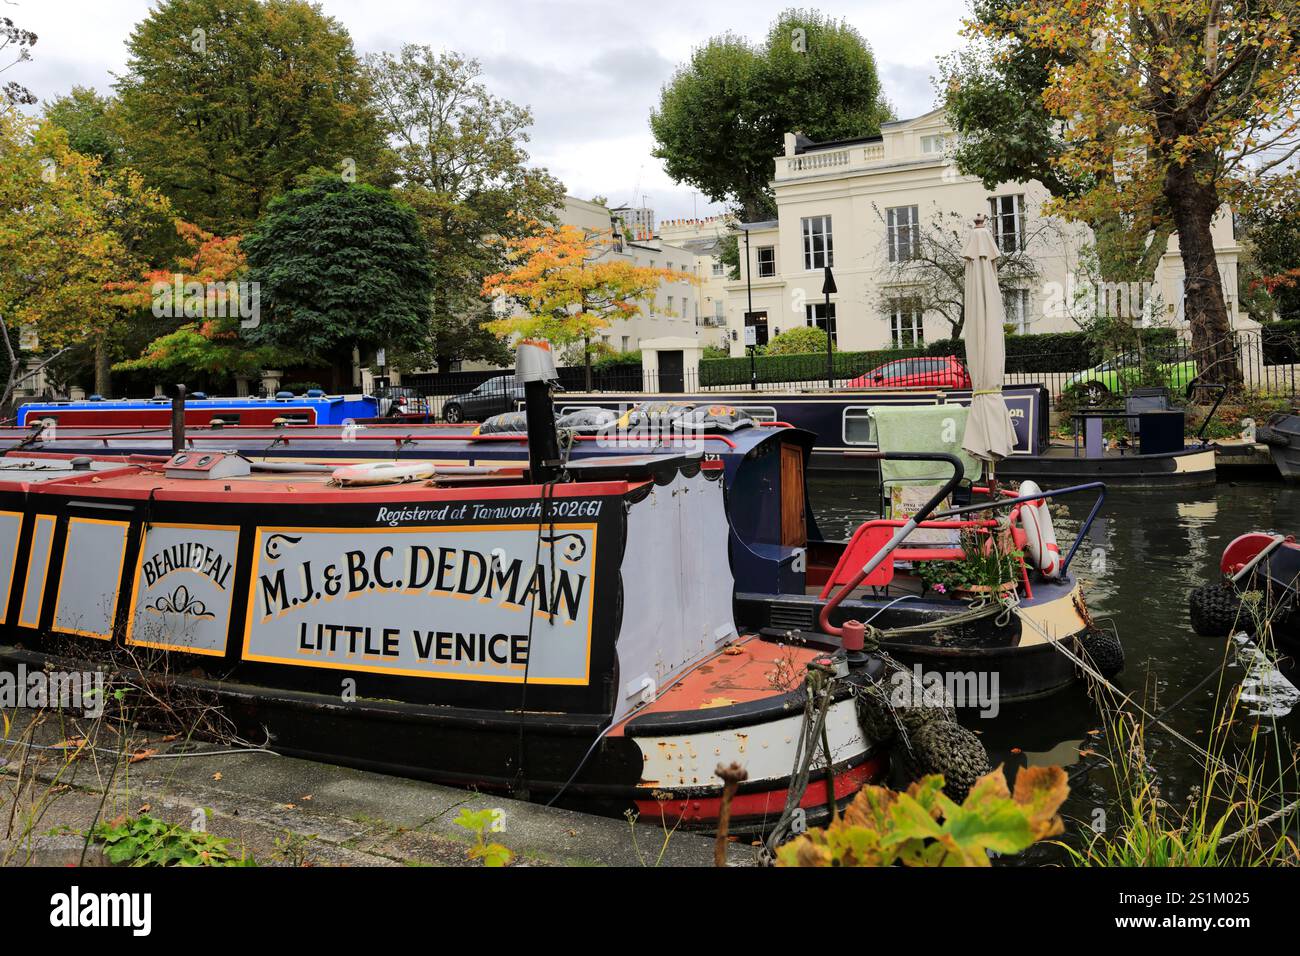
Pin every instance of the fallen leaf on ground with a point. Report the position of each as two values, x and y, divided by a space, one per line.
217 775
141 755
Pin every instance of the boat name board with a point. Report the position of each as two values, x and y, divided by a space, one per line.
466 602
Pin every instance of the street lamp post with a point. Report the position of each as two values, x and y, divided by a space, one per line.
828 289
749 317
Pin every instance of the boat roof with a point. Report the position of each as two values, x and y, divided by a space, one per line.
126 404
136 478
371 441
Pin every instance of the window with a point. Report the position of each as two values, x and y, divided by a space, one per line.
905 326
670 267
818 250
669 310
934 144
766 261
718 267
902 233
816 316
859 428
1015 302
719 311
626 339
1008 214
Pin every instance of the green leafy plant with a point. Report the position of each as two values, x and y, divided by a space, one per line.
989 564
148 841
480 823
922 827
801 340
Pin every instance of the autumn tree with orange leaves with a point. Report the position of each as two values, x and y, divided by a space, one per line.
204 286
570 284
1189 104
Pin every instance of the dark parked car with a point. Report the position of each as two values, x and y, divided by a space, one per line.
496 395
940 372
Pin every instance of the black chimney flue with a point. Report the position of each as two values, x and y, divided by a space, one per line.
535 368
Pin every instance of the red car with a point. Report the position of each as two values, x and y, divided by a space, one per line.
942 371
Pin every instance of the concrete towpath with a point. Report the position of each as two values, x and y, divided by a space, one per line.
286 811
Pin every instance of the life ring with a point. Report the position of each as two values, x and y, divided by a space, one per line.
383 473
1040 543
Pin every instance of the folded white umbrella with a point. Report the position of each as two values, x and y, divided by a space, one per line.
989 432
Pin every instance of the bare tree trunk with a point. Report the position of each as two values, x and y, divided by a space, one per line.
1194 203
103 370
586 360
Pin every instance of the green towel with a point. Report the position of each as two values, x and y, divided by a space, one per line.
933 428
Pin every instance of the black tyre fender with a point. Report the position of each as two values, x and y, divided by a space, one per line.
1215 610
1102 648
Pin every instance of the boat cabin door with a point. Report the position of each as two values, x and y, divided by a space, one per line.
794 526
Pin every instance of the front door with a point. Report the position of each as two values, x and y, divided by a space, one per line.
672 374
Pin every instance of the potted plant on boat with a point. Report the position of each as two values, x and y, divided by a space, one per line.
991 566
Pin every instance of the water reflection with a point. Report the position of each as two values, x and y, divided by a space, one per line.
1142 556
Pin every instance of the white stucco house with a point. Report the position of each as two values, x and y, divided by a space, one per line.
857 206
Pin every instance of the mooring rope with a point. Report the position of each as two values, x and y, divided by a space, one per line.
819 691
1012 602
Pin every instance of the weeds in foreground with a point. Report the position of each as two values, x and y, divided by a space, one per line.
1245 809
481 823
148 841
632 818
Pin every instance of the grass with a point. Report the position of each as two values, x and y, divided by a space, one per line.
1243 812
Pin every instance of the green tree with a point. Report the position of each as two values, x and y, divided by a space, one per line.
462 166
992 91
1182 104
339 265
225 103
92 124
67 230
1273 238
723 116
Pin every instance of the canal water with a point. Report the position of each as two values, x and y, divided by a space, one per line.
1143 555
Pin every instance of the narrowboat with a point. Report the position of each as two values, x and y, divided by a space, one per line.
1282 436
1265 564
843 422
312 408
569 641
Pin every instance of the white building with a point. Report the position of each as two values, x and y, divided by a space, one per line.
857 206
675 309
703 237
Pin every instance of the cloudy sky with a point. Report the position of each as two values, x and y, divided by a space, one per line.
591 71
